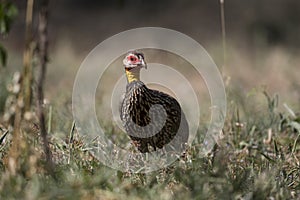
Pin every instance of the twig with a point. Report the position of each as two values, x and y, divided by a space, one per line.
71 139
3 136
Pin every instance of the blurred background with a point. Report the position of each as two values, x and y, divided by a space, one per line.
262 38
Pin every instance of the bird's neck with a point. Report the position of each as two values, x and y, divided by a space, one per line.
133 74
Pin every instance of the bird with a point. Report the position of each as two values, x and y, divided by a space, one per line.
152 119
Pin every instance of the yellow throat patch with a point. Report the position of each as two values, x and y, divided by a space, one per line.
132 75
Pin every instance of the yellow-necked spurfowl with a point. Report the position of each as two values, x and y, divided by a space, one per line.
151 118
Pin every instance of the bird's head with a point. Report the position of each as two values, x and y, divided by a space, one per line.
134 60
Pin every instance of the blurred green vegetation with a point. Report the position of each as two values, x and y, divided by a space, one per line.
8 12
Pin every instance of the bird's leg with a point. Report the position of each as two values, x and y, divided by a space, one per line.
143 148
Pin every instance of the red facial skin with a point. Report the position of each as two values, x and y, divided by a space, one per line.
133 59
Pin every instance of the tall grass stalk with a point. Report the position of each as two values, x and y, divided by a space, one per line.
223 29
43 59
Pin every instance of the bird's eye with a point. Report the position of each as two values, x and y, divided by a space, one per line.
132 58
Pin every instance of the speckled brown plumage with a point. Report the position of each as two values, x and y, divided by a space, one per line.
136 108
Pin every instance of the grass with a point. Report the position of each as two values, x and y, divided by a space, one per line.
257 157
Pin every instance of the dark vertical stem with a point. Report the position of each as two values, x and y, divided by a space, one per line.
223 34
43 59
